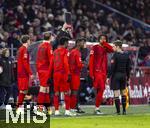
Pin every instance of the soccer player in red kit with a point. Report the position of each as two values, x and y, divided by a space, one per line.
76 65
98 68
24 71
61 75
44 69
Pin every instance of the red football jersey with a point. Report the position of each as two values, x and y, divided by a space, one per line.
98 58
75 62
23 66
44 56
60 61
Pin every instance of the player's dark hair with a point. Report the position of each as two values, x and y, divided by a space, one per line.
118 43
100 36
63 40
25 38
78 40
47 36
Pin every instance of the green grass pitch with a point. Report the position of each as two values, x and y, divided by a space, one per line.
137 117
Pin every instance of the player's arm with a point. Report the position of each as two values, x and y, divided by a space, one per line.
91 64
79 61
26 62
50 57
108 47
66 63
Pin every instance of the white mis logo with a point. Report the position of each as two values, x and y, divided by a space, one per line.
9 113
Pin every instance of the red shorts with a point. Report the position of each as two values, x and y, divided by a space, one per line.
75 82
43 77
23 83
60 82
99 80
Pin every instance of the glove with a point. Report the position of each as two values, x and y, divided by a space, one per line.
50 81
69 78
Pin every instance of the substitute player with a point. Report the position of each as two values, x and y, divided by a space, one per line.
76 65
62 76
120 72
24 71
44 69
98 68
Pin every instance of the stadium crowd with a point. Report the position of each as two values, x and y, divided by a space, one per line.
21 16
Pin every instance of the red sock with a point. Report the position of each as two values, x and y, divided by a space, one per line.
67 101
41 97
20 99
56 102
47 98
73 101
99 98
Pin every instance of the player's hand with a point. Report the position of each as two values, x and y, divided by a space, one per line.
66 26
69 78
32 77
108 81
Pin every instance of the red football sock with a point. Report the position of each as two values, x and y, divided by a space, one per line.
47 98
99 98
20 99
73 101
67 101
56 102
41 97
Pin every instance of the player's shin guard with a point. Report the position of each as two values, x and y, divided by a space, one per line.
117 104
67 101
124 104
20 99
99 98
56 102
73 101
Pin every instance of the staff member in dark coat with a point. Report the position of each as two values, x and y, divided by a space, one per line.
120 73
6 76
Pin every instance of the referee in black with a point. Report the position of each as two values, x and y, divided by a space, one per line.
119 75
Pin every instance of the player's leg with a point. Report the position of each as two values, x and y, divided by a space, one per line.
20 108
73 99
43 95
123 85
23 84
100 90
123 100
47 101
57 79
75 84
117 100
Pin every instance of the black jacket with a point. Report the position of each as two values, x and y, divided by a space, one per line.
120 63
7 76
